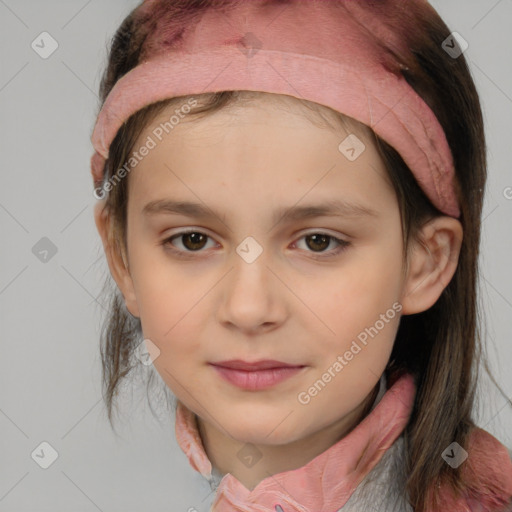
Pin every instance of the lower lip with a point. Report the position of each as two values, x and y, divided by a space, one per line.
257 379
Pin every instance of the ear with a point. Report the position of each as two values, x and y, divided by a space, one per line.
117 260
432 264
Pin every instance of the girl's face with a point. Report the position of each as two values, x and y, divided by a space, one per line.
252 284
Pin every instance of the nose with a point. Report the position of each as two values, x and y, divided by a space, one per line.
252 296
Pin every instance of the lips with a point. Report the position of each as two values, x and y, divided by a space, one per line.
256 375
264 364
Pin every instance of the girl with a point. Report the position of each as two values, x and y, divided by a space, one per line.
290 202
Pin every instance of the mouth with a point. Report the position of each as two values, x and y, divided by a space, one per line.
256 375
264 364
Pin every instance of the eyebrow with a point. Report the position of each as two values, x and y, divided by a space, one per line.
331 208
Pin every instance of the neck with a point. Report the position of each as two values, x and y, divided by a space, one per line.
223 451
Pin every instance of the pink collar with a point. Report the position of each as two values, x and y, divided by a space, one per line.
325 483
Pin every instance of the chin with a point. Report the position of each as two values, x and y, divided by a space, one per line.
271 432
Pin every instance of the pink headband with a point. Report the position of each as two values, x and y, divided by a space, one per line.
321 51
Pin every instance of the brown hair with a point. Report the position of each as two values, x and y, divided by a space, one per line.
446 344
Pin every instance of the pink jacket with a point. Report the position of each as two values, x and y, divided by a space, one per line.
361 471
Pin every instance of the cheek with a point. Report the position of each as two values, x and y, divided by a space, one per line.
359 304
174 327
360 292
169 304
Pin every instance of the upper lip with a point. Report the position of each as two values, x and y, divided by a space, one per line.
264 364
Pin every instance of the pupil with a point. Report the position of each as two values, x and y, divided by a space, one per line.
195 237
322 237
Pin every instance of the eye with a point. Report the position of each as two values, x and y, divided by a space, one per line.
194 241
191 240
318 241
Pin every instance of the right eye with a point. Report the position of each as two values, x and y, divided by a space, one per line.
192 240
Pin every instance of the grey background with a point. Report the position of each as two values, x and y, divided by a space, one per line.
49 316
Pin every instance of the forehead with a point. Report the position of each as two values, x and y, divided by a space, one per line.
262 142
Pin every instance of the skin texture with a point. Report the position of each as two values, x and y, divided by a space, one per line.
287 305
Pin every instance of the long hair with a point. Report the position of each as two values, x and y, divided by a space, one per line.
441 347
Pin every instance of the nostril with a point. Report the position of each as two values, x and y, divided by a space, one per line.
278 508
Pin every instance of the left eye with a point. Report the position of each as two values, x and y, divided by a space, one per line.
194 241
322 240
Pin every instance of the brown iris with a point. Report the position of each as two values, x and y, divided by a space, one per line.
197 240
323 240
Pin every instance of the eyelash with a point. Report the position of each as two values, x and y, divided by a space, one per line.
343 244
